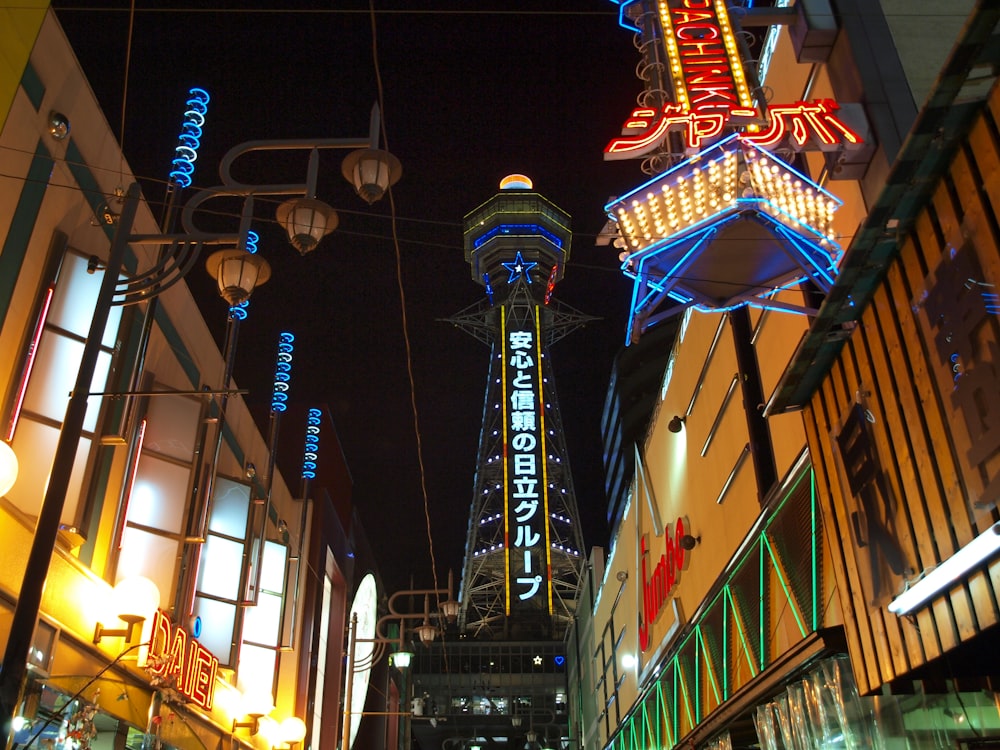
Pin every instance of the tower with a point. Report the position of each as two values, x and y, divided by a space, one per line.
524 552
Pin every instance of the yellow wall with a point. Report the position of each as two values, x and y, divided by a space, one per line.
20 21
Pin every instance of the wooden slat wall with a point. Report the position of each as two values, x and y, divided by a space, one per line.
892 365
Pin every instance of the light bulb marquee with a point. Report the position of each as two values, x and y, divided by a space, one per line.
712 96
731 224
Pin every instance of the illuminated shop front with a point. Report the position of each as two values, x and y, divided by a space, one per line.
821 428
164 496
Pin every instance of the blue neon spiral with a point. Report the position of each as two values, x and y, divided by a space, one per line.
239 312
189 140
311 454
282 372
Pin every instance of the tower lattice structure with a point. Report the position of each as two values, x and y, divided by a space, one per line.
524 552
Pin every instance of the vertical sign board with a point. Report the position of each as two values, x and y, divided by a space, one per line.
526 530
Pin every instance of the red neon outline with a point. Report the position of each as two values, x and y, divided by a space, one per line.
131 482
29 364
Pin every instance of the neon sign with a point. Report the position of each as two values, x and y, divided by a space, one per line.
239 312
712 95
704 59
189 141
311 454
282 372
177 658
659 581
525 506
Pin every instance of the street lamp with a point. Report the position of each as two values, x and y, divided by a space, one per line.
181 251
426 632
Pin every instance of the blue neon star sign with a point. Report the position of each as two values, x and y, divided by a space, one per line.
519 267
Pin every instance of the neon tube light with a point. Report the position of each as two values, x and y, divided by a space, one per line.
22 388
140 438
311 454
282 372
239 312
189 140
971 556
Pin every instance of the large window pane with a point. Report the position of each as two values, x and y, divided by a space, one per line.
230 508
262 624
217 622
54 377
172 426
257 667
272 575
152 556
159 494
221 561
35 445
75 298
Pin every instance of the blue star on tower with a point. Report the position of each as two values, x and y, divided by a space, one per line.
519 267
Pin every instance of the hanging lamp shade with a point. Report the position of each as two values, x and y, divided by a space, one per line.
237 273
307 221
371 171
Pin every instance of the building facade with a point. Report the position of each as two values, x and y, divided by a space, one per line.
172 484
805 556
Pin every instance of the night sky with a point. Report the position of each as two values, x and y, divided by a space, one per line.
470 94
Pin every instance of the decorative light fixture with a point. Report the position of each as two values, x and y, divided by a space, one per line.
58 126
255 704
515 721
402 659
371 171
677 423
292 731
971 556
132 601
8 467
237 273
450 609
426 632
688 542
307 221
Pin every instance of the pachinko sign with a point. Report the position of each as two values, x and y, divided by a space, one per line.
712 96
661 572
177 659
525 503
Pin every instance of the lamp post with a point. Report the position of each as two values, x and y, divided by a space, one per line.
182 251
426 632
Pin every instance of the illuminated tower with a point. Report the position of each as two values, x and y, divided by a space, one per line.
524 552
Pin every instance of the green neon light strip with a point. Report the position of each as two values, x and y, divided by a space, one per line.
742 633
725 645
784 585
713 681
697 674
762 634
684 694
814 546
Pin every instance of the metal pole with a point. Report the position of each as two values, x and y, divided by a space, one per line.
22 627
345 742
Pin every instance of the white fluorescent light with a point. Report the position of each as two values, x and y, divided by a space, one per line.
970 556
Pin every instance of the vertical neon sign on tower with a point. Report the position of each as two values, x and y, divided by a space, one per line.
525 473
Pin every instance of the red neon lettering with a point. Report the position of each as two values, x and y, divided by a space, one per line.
202 667
702 4
702 49
658 586
685 16
797 121
195 675
697 31
724 95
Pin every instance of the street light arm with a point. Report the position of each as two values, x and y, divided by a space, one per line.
305 144
437 593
